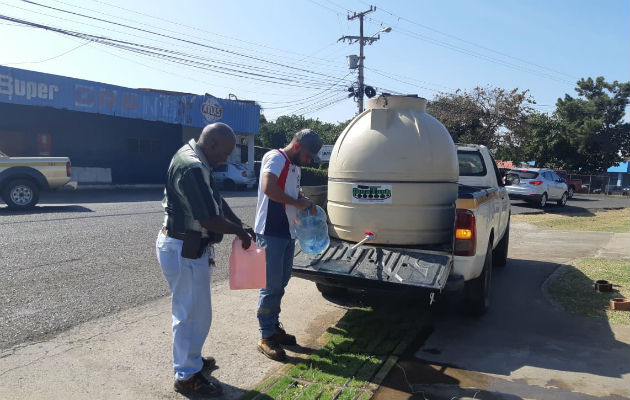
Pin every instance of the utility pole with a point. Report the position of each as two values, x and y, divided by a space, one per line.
362 40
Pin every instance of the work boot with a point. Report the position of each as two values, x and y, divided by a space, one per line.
208 363
272 349
197 385
283 337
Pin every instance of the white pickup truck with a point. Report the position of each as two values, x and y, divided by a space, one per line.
23 178
480 241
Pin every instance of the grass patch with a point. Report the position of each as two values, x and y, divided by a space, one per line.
594 221
351 360
574 289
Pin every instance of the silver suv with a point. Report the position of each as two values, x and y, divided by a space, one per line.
537 186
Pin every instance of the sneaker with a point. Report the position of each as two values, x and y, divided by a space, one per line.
197 385
272 349
208 363
283 337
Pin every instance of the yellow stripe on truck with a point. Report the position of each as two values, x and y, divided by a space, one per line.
476 202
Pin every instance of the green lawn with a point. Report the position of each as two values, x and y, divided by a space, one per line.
574 289
359 352
595 221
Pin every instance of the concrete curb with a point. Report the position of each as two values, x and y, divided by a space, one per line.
81 187
556 274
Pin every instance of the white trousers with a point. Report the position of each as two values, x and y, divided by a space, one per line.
189 283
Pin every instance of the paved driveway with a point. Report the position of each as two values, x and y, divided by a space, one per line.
523 348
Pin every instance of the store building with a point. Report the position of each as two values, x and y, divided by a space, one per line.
112 134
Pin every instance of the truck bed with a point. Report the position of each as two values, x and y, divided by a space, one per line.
425 267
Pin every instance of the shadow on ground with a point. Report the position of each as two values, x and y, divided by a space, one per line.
524 347
46 210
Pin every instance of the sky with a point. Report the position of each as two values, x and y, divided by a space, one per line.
286 55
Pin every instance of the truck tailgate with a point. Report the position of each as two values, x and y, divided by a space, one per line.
388 265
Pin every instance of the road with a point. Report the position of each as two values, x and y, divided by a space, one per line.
82 255
576 204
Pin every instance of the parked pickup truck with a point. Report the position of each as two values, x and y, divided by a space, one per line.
480 241
23 178
573 185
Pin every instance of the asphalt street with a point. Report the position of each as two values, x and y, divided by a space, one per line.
85 254
81 255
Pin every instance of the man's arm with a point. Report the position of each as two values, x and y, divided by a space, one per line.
271 188
230 215
204 207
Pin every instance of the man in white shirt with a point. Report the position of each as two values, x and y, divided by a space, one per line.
278 203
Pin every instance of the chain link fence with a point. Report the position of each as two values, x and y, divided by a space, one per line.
595 184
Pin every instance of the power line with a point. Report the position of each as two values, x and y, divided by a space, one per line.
239 64
473 44
210 32
180 39
175 56
50 58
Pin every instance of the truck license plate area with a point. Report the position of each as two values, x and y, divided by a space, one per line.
393 265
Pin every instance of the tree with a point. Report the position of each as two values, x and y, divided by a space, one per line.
544 141
490 116
594 124
279 133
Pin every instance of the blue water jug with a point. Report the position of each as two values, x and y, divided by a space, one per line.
312 231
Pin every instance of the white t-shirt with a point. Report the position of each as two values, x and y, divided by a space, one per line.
273 218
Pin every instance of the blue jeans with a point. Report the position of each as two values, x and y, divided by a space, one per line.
279 255
189 283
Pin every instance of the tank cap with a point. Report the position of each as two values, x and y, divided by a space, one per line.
388 101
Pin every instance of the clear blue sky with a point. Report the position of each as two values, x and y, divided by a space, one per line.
544 46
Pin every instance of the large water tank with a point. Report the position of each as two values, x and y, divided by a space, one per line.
393 171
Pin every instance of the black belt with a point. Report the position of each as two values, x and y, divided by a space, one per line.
182 236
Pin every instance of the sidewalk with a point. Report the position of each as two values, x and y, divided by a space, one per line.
128 355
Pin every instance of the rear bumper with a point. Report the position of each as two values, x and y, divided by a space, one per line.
522 196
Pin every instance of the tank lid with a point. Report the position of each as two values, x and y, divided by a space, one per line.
388 101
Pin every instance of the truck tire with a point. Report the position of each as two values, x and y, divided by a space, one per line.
478 289
563 200
331 291
500 253
20 194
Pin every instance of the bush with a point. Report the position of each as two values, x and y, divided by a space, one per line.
314 177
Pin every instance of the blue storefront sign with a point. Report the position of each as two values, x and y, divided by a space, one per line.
25 87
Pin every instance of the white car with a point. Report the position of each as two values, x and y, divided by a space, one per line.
232 176
537 186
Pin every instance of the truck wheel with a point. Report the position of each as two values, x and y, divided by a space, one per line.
563 200
543 201
500 254
20 194
331 291
571 192
478 289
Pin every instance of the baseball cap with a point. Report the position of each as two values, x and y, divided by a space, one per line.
311 141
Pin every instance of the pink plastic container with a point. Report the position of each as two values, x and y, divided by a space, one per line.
248 268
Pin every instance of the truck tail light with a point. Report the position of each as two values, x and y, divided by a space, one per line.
244 174
536 183
465 233
68 171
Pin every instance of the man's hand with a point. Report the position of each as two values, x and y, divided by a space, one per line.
250 231
302 203
245 238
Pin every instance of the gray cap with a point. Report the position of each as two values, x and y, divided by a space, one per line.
309 140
